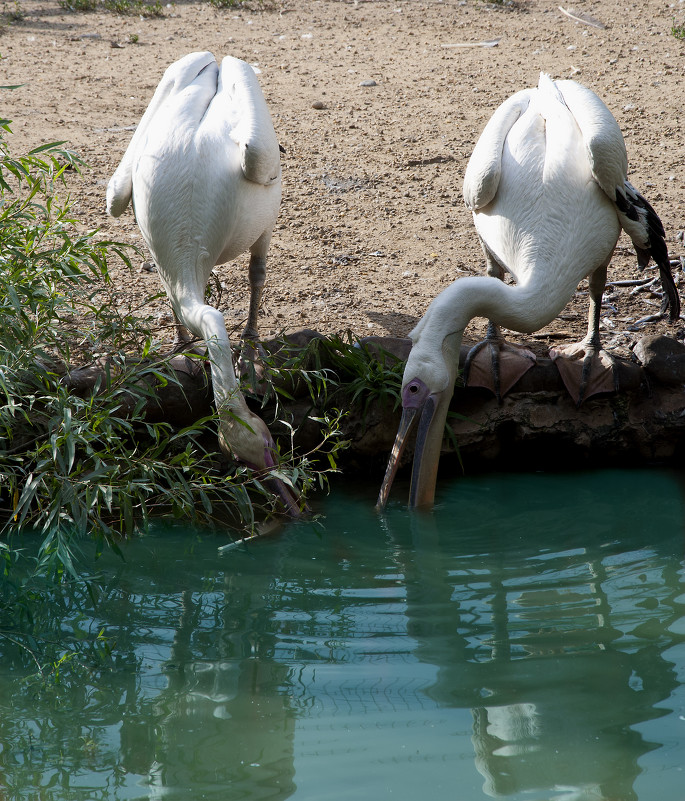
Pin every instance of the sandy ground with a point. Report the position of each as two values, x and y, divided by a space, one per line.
372 223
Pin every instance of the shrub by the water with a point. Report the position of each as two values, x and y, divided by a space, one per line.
84 471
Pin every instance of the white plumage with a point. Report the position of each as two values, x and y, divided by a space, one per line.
547 184
203 173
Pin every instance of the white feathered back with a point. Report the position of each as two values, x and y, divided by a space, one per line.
253 130
177 76
240 101
484 168
605 147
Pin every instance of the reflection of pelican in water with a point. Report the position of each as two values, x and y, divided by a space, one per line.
220 731
503 731
427 655
565 735
555 702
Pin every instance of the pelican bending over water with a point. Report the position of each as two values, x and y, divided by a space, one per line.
547 183
203 173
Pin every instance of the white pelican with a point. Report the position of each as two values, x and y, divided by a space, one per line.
547 183
203 173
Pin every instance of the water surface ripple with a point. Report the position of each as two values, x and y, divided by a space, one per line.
526 640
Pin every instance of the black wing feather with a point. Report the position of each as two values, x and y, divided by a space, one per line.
637 208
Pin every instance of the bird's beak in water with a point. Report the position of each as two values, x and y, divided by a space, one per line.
418 403
405 427
280 488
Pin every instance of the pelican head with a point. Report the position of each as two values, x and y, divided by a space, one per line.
427 388
244 436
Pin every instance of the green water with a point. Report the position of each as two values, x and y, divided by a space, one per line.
525 641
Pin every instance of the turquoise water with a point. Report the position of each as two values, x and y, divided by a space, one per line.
524 641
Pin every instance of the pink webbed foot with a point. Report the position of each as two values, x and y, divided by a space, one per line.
586 370
497 365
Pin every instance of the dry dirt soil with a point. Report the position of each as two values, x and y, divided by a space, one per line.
378 104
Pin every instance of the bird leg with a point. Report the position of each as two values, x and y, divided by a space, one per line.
182 336
585 367
495 363
257 278
251 351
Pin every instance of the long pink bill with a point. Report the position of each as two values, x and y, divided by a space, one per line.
290 503
426 456
278 487
406 424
